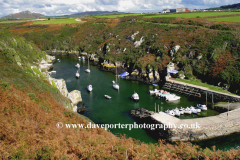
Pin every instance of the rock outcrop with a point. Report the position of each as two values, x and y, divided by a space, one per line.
60 84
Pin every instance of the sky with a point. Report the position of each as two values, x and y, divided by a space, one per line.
66 7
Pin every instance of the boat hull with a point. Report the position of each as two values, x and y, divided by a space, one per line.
116 87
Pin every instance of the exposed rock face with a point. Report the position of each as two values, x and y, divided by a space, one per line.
63 52
75 97
199 57
138 43
156 75
133 36
170 67
61 85
47 64
174 50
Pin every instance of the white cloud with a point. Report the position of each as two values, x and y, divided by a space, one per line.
59 11
125 5
59 7
16 10
72 10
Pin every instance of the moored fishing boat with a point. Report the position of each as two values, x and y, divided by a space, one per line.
77 65
202 107
89 88
187 111
154 91
77 75
135 97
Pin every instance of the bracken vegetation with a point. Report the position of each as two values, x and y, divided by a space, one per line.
30 107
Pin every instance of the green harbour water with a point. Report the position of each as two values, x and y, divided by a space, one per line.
115 110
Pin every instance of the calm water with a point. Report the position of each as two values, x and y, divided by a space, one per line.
114 111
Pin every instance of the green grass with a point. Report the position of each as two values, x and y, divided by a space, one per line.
198 82
58 21
192 14
122 15
226 19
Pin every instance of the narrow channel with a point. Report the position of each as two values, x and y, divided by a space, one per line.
115 110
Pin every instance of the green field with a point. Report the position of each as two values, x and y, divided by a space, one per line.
123 15
58 21
226 19
192 14
198 82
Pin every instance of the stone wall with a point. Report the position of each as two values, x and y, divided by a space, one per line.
201 92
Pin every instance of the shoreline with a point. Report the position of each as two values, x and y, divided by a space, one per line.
74 96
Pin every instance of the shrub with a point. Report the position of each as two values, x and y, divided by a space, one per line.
32 96
5 84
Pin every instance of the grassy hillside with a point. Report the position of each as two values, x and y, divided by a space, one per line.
30 108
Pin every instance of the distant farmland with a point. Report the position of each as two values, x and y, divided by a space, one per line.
226 19
58 21
192 14
122 15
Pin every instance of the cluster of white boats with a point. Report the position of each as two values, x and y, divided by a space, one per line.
135 96
78 66
164 94
188 110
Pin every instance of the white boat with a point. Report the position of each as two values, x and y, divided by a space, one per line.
154 91
202 107
53 71
83 58
172 97
87 70
77 75
77 65
115 85
176 112
170 112
193 110
197 109
187 111
79 57
155 85
135 97
162 94
181 110
89 88
113 82
107 96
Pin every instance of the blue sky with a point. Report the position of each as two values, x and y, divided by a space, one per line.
63 7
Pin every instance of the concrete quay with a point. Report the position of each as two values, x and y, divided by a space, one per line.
198 128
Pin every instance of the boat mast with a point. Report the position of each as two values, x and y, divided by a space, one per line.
88 62
116 74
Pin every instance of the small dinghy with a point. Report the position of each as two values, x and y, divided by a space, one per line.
107 96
